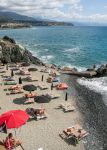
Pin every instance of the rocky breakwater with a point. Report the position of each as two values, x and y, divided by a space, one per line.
10 51
100 71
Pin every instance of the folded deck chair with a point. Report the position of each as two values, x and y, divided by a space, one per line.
67 107
42 86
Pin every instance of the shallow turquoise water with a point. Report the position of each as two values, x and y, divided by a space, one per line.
69 46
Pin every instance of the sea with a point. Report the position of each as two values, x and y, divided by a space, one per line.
78 47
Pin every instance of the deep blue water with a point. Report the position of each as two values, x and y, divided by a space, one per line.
68 46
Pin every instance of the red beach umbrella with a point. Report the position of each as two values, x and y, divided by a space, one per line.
14 118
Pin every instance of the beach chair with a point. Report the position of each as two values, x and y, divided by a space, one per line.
76 133
10 83
53 96
22 72
15 92
31 95
15 87
37 114
29 79
29 101
2 71
44 71
42 86
67 107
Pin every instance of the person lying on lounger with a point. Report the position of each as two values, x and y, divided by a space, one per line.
40 112
10 142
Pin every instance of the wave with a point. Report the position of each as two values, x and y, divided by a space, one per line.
79 68
73 50
97 84
47 58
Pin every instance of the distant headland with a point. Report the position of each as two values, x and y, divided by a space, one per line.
14 20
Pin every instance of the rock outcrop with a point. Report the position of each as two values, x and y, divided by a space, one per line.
89 73
10 51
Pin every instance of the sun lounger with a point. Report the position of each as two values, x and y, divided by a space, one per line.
31 95
8 79
2 71
67 107
10 83
44 71
22 72
15 87
29 101
75 132
53 96
42 87
36 113
29 79
15 92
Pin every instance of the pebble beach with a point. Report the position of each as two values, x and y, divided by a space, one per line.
42 133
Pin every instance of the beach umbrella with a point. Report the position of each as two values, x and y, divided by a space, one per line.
30 87
20 80
14 118
32 69
42 99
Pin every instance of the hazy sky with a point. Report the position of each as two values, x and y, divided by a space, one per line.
67 10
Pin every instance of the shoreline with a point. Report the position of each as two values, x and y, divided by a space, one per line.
94 112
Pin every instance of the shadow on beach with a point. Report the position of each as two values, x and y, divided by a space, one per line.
19 101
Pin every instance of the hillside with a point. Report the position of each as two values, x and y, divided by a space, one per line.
11 17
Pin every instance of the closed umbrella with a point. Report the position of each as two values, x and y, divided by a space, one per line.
20 80
14 118
30 87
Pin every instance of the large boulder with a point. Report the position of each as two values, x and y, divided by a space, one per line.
102 71
12 52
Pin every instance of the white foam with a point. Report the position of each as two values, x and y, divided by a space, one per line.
97 84
46 58
73 50
79 68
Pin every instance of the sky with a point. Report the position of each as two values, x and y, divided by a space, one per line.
61 10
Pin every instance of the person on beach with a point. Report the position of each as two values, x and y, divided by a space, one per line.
10 143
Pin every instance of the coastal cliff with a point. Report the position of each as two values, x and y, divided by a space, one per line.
10 51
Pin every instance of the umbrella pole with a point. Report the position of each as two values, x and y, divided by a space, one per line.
15 136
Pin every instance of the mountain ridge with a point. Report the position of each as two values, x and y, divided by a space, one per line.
12 17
